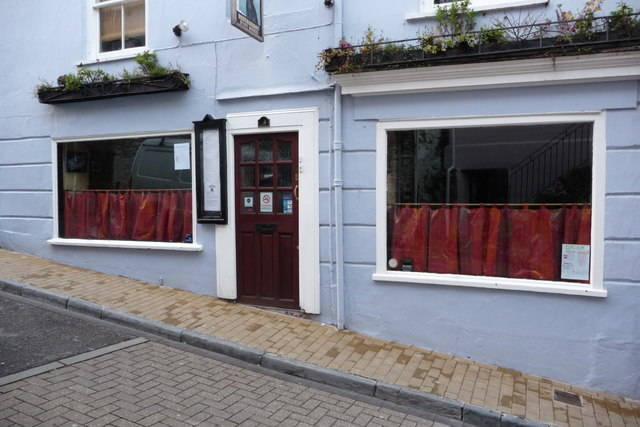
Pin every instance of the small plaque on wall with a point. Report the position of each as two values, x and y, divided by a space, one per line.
211 170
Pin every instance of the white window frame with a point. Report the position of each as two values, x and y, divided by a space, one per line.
130 244
93 36
594 288
428 9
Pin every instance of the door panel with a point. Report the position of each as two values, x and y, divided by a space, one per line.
267 219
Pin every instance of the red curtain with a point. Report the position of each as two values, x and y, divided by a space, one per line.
128 215
410 238
519 242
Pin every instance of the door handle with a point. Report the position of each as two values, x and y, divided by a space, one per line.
295 192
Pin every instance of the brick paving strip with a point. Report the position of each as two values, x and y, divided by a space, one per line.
156 384
450 386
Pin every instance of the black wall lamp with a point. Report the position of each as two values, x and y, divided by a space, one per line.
328 3
183 26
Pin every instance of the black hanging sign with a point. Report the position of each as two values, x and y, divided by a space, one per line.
247 16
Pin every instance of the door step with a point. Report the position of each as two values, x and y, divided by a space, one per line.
284 311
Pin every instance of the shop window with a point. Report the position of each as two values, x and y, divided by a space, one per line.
120 24
510 201
126 189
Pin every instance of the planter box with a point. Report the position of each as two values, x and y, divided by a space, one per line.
514 49
115 88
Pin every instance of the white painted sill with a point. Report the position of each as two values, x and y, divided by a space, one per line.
186 247
119 55
490 283
431 12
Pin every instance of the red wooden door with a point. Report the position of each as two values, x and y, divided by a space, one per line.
267 219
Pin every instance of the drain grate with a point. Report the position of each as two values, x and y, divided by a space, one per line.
568 398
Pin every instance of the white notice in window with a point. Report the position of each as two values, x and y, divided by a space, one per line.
575 262
211 170
181 156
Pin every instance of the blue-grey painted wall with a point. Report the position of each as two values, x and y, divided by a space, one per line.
594 342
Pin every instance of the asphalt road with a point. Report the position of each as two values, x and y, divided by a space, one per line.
157 382
31 335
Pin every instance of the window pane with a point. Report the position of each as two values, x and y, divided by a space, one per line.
126 189
111 28
266 176
248 152
284 175
511 201
248 176
265 151
134 24
284 150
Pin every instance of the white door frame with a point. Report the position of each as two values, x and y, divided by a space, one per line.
305 123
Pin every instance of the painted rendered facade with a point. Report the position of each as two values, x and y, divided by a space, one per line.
589 338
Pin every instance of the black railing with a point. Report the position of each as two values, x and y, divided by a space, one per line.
538 171
559 37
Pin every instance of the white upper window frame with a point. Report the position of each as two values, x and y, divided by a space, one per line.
129 244
93 54
428 9
595 287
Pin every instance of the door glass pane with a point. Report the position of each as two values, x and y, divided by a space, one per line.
266 176
247 152
284 150
248 202
248 176
265 151
284 175
285 202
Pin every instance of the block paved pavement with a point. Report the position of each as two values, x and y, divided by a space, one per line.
155 384
488 386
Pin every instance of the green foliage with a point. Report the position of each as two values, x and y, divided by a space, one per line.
456 18
148 66
494 34
73 82
370 43
622 19
432 44
579 23
148 63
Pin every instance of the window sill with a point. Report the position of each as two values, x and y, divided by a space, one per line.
431 12
187 247
119 55
490 283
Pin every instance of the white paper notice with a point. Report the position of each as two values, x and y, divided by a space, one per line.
211 170
266 202
575 262
181 156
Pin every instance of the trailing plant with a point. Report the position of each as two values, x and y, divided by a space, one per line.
432 44
456 18
465 41
522 26
623 19
337 57
148 66
494 34
72 82
581 23
370 43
